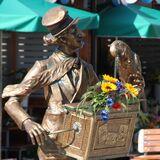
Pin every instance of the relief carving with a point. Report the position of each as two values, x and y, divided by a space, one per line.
111 138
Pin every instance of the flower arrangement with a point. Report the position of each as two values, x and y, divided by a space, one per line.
110 93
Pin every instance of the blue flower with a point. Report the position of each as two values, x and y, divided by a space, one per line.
109 102
120 87
104 115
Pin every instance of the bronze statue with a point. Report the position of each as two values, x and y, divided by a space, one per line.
64 77
129 65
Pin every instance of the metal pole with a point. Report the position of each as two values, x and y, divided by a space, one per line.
116 66
0 89
94 39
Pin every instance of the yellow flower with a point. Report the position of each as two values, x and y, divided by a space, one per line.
132 89
109 78
108 87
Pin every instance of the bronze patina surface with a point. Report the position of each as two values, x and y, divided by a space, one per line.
64 77
129 68
129 65
98 140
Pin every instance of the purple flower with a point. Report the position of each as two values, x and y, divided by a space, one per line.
104 115
109 102
119 86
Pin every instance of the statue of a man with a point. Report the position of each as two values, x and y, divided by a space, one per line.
64 77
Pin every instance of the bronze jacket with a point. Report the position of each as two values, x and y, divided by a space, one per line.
64 79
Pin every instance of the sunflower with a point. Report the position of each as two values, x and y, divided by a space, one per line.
110 79
131 89
108 87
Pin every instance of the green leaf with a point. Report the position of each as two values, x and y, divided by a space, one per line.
107 109
124 106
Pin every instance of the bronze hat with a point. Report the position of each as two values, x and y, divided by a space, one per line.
57 20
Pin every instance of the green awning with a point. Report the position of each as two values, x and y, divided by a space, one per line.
129 21
26 15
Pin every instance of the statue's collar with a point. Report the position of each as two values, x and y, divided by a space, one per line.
61 55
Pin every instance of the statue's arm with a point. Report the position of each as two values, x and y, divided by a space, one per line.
16 112
34 80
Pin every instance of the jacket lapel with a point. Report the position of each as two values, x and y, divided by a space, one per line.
80 83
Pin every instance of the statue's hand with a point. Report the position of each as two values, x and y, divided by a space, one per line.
36 132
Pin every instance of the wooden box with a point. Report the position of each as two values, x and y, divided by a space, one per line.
98 140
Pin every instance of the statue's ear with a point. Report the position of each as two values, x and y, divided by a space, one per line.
50 39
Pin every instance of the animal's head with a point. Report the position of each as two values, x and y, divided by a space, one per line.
119 48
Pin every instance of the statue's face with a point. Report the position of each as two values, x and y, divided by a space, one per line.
74 38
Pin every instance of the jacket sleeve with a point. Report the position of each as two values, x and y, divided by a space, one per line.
38 78
26 86
13 105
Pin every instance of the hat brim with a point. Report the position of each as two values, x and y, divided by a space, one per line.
73 22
